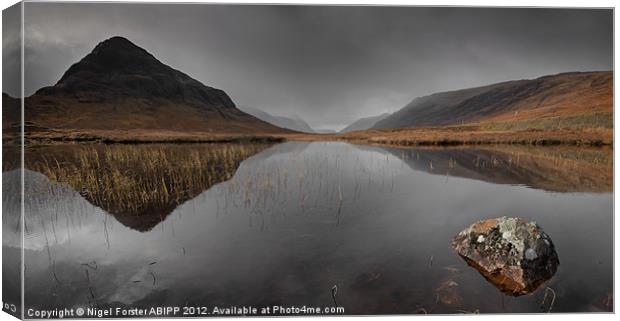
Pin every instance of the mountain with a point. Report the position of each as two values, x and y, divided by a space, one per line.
579 97
364 123
295 124
120 86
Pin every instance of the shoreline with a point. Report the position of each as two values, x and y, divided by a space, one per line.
470 135
439 136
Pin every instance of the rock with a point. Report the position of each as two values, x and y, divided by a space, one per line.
513 254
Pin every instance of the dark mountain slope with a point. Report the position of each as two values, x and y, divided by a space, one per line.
120 86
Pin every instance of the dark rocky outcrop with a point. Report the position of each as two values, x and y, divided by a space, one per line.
117 67
513 254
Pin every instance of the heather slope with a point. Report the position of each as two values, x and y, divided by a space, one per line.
576 94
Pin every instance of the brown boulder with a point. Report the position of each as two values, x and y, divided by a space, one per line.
513 254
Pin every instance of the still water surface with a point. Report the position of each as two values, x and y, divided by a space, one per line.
298 218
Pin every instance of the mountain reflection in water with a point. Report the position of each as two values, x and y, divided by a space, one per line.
140 184
556 168
295 219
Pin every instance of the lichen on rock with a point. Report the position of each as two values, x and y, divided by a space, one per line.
513 254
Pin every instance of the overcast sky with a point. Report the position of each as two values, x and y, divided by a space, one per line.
327 65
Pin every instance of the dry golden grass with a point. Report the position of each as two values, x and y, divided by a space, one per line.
440 136
474 135
46 136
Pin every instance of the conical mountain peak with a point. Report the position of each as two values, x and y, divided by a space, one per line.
116 41
120 47
121 86
118 69
116 55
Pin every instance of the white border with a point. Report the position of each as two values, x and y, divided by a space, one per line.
485 3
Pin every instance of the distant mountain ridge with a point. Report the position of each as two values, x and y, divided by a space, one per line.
562 95
364 123
325 131
295 124
120 86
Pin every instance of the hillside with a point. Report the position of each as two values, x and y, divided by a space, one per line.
121 87
582 99
295 124
364 123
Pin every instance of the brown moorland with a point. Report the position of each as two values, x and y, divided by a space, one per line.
586 98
